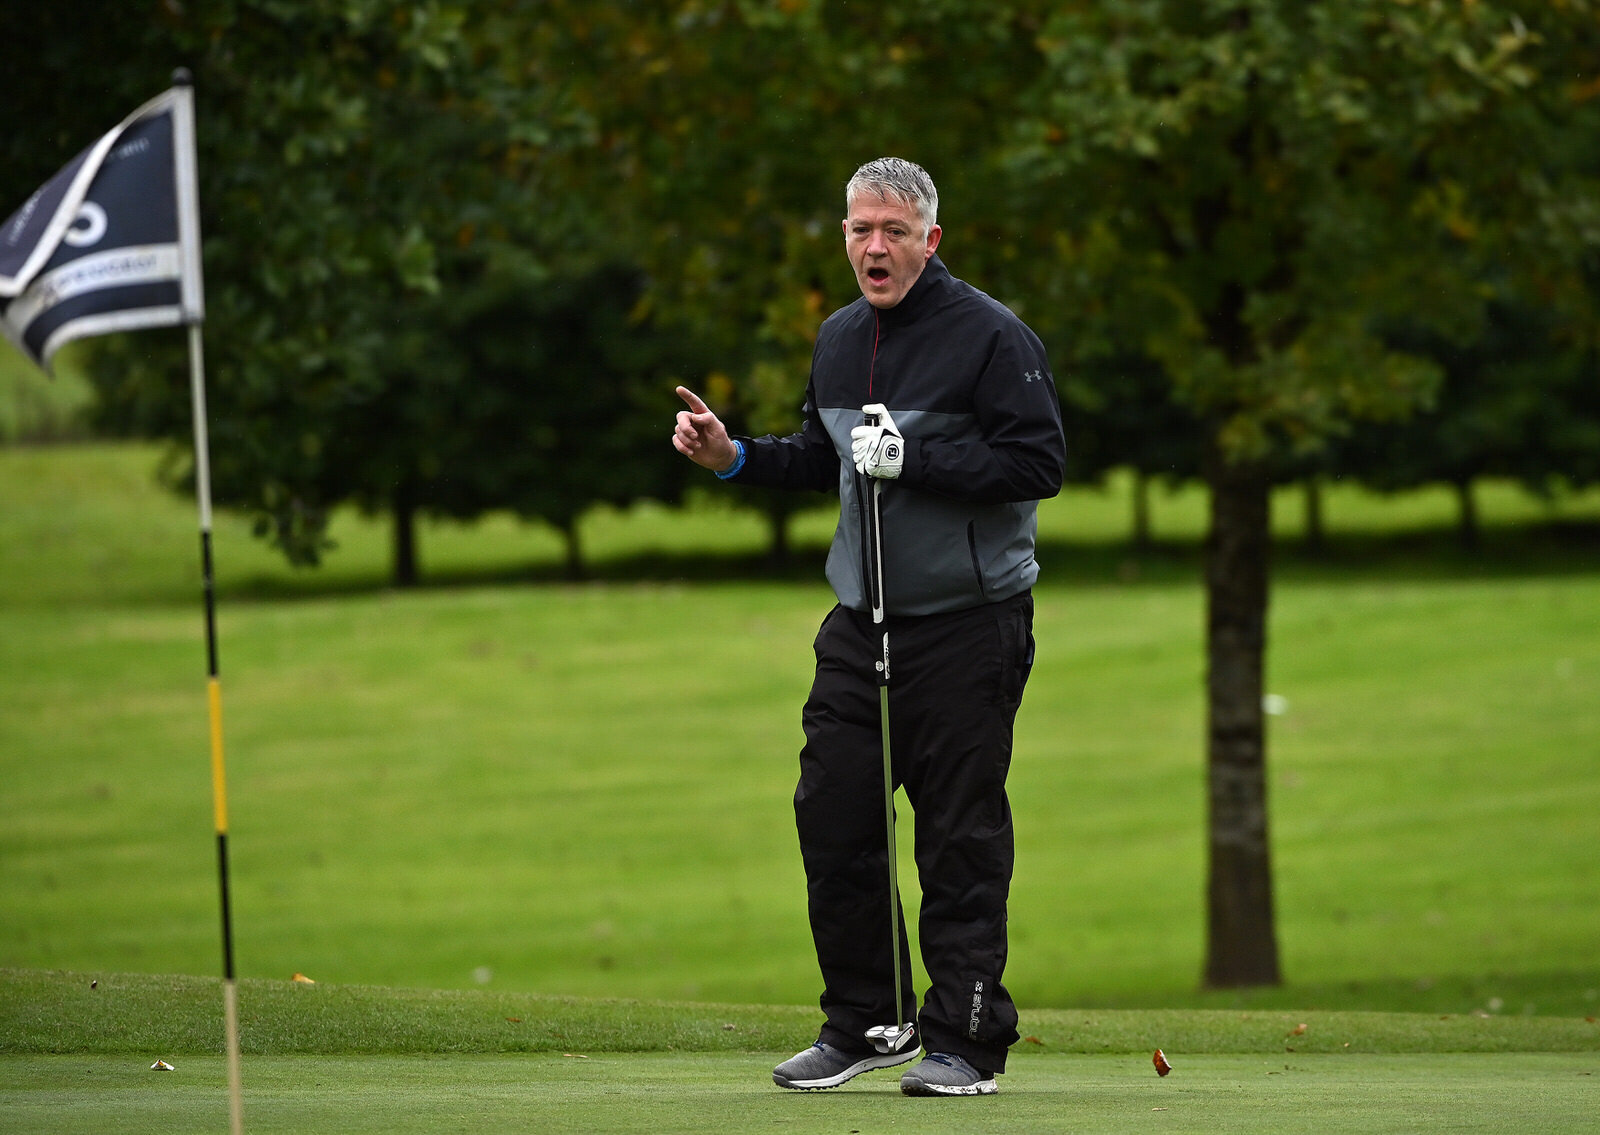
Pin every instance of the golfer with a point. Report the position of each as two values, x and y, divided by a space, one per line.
967 440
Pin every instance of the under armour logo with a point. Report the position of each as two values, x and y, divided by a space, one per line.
1033 376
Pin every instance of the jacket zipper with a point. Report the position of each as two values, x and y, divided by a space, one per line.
877 335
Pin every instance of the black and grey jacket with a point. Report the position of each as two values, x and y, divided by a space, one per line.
969 386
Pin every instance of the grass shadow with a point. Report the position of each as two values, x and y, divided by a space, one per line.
1569 993
1552 549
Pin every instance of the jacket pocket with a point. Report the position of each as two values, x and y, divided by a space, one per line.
977 562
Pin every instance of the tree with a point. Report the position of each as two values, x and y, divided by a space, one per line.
1253 183
356 158
64 89
1516 402
1119 412
537 395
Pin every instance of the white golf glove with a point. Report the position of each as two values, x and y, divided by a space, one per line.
879 451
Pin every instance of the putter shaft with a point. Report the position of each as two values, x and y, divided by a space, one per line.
875 561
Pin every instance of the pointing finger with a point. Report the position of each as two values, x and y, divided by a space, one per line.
695 404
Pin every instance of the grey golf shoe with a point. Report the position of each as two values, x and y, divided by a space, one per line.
942 1074
823 1066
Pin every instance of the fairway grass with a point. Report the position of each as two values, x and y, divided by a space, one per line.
510 784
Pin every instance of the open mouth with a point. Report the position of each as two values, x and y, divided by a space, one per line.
877 275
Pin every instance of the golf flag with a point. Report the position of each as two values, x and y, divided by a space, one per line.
111 242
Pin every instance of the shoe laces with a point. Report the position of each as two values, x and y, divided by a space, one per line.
959 1064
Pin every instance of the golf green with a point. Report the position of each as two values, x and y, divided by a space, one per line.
663 1093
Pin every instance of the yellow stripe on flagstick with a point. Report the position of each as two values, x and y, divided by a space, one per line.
219 780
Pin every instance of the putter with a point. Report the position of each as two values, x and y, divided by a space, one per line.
895 1037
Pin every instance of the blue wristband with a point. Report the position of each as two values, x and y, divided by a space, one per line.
738 462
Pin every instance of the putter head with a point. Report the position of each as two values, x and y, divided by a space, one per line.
891 1038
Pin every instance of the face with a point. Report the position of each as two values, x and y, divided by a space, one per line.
887 247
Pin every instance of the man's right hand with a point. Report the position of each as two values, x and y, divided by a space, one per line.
700 435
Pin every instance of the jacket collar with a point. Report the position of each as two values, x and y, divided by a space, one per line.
921 299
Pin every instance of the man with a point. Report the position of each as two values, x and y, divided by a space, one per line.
968 439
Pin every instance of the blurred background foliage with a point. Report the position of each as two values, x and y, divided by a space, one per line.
1251 227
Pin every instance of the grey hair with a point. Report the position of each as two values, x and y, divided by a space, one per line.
898 178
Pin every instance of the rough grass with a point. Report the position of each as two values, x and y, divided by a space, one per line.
61 1012
36 408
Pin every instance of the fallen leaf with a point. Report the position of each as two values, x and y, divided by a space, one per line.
303 979
1298 1030
1160 1061
160 1066
574 1056
515 1020
1033 1040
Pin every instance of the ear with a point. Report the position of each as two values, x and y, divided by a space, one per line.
934 234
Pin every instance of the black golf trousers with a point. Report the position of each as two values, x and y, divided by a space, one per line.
956 683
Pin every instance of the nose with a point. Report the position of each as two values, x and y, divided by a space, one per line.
876 244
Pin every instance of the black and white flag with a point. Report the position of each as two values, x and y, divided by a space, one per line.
112 242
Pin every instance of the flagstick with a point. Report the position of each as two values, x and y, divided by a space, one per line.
194 311
219 780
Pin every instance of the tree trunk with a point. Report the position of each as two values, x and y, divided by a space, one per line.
1141 510
1241 942
778 513
574 551
1467 529
406 569
1316 534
